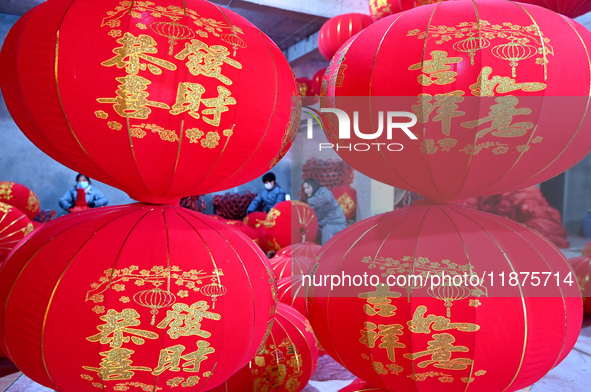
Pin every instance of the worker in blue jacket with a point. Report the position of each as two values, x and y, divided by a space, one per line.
94 197
272 195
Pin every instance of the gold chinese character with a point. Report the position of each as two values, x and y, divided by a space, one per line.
185 320
441 350
188 98
132 50
485 87
116 365
378 302
195 358
207 61
131 100
6 190
217 106
501 117
446 105
117 324
421 324
389 335
437 69
170 358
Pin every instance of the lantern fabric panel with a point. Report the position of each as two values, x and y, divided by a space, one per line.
156 310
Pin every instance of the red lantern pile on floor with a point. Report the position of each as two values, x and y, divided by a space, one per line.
433 297
165 103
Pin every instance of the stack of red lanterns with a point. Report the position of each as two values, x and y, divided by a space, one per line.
437 298
165 103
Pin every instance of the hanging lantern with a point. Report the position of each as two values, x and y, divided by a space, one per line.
317 81
165 103
285 363
14 226
21 197
582 268
347 198
134 296
570 8
339 29
358 385
306 249
394 331
285 266
479 90
290 222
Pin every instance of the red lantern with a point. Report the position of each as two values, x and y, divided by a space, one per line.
138 295
14 226
488 86
570 8
290 222
347 199
339 29
19 196
307 249
285 363
290 291
395 331
358 385
582 268
285 266
587 249
306 87
250 232
166 102
317 81
255 219
379 9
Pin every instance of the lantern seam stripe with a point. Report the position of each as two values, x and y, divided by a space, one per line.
178 156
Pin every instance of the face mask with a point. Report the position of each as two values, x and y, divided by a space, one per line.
82 185
269 186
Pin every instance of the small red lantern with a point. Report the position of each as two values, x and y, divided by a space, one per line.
358 385
570 8
14 226
290 222
166 102
250 232
582 268
137 295
317 81
396 321
21 197
285 266
339 29
305 249
285 363
482 89
347 198
306 87
255 219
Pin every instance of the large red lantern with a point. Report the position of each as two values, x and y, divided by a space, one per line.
336 31
14 226
509 293
379 9
347 198
21 197
486 86
285 363
134 296
290 222
166 102
582 268
570 8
